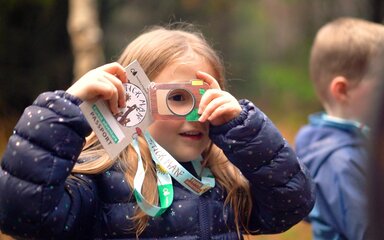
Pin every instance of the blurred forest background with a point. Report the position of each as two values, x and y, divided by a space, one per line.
264 43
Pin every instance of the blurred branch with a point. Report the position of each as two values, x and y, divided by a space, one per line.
86 36
377 7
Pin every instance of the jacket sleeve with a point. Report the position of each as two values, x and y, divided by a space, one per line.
282 191
38 198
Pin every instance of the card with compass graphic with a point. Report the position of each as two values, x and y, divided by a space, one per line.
115 132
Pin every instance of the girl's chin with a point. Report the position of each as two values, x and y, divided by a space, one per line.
183 161
187 159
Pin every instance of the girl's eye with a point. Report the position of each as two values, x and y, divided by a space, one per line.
180 101
177 98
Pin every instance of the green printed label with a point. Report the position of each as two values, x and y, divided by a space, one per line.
105 124
165 194
193 116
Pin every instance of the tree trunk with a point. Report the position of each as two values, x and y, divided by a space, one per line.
86 36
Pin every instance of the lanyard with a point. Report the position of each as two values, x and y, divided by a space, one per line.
167 166
164 187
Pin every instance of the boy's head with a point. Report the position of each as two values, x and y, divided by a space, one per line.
343 52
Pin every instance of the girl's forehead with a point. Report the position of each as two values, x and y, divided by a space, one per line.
182 70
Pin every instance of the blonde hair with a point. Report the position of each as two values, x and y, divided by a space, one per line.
343 47
155 49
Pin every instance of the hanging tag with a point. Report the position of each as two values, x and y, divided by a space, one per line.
167 166
163 159
115 132
164 187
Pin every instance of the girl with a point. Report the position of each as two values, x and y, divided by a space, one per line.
260 186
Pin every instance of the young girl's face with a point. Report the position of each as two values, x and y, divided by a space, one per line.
184 140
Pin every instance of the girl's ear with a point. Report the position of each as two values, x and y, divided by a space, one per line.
339 88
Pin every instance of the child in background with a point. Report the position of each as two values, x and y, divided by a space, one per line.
260 188
333 144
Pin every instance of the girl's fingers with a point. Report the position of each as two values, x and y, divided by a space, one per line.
104 82
115 69
119 87
211 81
207 97
104 89
211 107
224 114
218 107
116 74
113 102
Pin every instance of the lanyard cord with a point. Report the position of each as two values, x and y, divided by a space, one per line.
164 187
167 166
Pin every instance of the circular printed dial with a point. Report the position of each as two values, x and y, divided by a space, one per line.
136 106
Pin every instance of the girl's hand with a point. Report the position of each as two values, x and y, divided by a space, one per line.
217 106
103 82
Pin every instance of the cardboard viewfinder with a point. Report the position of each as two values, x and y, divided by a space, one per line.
145 101
176 101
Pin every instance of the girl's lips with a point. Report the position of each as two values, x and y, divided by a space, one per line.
193 135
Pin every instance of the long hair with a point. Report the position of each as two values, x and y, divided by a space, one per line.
155 49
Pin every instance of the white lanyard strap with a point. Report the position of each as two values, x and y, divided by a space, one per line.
164 186
178 172
167 166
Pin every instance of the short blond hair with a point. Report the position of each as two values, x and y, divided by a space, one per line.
344 47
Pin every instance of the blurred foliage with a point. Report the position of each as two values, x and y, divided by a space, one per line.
35 53
265 44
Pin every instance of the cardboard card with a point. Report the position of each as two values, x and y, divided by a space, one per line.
116 132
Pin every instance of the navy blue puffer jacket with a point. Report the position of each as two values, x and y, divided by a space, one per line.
41 199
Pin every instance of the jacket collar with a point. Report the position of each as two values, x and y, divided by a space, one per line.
323 119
